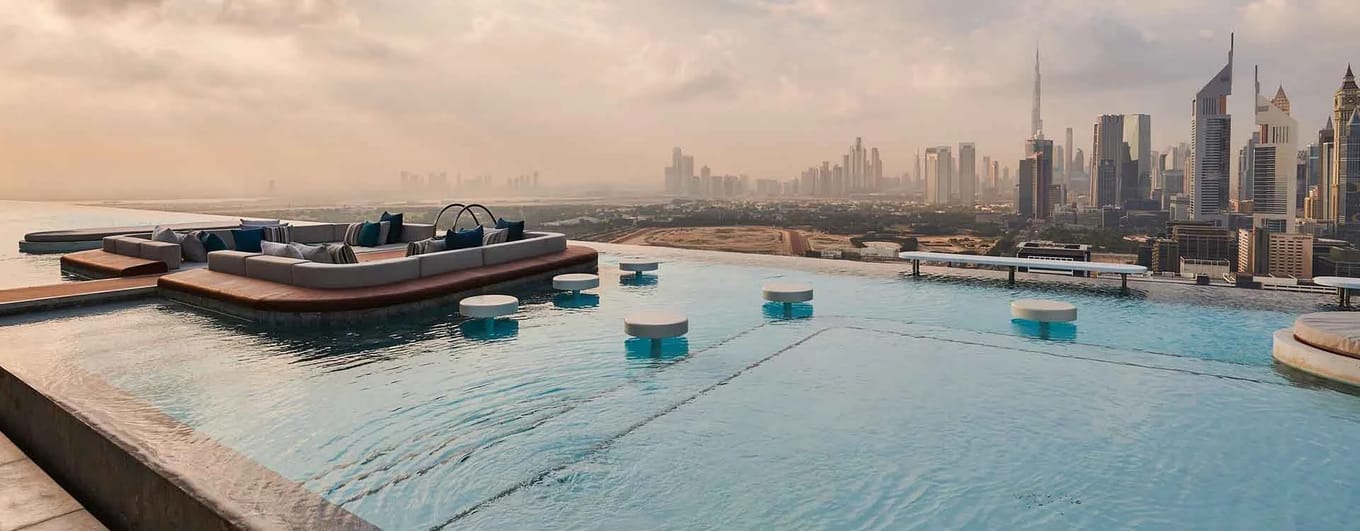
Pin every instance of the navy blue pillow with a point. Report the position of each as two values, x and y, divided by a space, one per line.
394 232
248 240
464 239
516 229
369 233
213 242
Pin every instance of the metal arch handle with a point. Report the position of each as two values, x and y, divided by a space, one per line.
440 215
473 213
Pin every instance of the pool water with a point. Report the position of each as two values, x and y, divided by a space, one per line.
891 402
18 218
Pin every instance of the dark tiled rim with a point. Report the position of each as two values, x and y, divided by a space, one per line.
96 441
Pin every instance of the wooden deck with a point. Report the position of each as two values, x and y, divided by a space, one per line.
53 296
263 295
96 263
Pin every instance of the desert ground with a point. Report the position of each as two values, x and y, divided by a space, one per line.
763 240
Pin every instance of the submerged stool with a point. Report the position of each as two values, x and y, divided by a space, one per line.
787 293
575 282
638 265
1043 311
655 325
488 308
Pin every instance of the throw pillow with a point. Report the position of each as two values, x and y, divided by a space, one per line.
369 233
164 234
385 229
278 233
280 249
394 235
495 236
191 247
352 234
213 242
464 239
516 229
315 253
248 240
341 254
248 223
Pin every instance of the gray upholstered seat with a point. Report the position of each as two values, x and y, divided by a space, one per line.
272 268
233 262
533 244
361 275
441 262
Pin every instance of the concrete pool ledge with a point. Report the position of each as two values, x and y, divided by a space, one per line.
136 468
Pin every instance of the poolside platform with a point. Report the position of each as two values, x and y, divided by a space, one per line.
272 302
65 241
68 294
1013 264
31 501
99 264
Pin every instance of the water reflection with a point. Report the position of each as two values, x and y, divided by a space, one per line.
489 329
1053 331
576 301
664 350
777 311
638 280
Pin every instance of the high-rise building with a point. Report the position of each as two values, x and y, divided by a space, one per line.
1059 166
1036 123
1327 189
1071 163
1210 147
967 173
1346 185
1039 153
1348 166
1138 135
988 178
1262 252
917 175
938 168
1107 160
1024 189
1272 164
875 171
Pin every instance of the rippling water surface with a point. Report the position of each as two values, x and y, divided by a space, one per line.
894 402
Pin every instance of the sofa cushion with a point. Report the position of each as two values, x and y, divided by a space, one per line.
393 235
495 236
251 223
336 276
414 232
128 246
111 244
313 253
464 239
516 229
248 240
272 268
352 233
438 263
191 247
432 245
281 249
534 244
320 233
369 234
342 254
233 262
164 234
213 241
1337 332
161 252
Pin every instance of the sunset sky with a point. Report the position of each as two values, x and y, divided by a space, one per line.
211 97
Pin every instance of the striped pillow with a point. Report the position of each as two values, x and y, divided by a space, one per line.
352 233
494 236
341 254
427 246
278 233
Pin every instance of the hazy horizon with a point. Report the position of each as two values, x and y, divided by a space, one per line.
187 98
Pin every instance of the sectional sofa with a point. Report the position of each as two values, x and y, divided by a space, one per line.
142 246
380 272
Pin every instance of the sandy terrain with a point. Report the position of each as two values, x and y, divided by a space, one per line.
824 241
955 244
763 240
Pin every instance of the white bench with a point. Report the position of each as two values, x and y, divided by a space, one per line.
1123 270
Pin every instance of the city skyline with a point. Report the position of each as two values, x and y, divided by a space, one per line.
115 96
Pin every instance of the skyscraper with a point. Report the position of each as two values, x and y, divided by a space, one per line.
1107 160
1348 157
988 178
1070 163
1036 123
1039 155
875 181
1024 190
1273 165
1210 146
1138 135
1345 183
1326 208
967 173
917 176
938 168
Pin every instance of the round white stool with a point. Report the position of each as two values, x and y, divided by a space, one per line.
638 265
488 308
575 282
786 293
655 325
1043 311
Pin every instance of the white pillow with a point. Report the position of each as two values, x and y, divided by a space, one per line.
315 253
281 249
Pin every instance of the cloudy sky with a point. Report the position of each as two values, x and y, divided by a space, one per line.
191 97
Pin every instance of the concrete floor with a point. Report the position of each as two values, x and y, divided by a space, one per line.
31 501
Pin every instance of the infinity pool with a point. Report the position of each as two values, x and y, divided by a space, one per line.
891 402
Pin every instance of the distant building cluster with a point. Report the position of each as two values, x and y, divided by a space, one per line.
682 181
438 183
